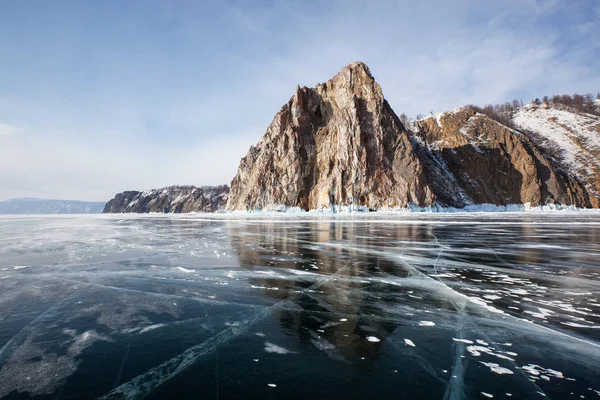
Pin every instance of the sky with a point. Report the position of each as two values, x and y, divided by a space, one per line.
98 97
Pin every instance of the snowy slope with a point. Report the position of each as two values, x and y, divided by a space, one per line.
577 136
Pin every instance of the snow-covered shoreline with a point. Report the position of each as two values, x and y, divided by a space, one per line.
413 208
281 210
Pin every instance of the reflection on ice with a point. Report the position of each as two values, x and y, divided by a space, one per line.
433 306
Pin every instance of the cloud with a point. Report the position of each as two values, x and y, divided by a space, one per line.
9 130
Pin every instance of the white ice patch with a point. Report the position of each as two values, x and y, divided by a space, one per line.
185 270
485 305
492 297
266 272
546 373
491 396
151 328
476 351
373 339
301 272
409 342
426 323
264 287
273 348
467 341
519 291
576 325
542 314
19 266
272 385
497 368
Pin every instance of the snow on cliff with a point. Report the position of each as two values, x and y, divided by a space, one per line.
577 135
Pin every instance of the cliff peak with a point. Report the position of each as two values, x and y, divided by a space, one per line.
357 66
338 144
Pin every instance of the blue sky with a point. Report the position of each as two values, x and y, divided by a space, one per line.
98 97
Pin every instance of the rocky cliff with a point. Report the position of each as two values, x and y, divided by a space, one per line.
173 199
341 144
337 144
573 138
498 165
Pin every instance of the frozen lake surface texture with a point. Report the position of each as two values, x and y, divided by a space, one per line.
370 306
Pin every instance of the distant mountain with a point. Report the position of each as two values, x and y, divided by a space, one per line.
46 206
172 199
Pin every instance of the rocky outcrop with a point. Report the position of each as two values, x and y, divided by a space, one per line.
498 165
570 136
173 199
341 144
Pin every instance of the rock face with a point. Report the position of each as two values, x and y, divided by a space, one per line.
337 144
497 165
572 137
173 199
341 144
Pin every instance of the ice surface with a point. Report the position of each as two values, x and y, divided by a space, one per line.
433 305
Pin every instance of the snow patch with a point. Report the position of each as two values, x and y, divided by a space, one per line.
497 368
463 341
273 348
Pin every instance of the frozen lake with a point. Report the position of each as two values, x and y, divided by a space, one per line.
402 306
